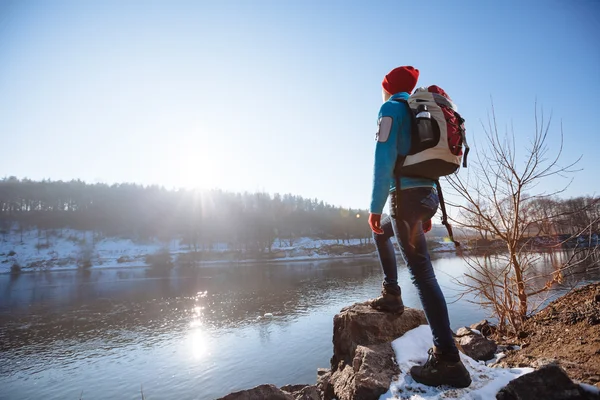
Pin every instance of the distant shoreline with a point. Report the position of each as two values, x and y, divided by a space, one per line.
207 263
212 263
71 251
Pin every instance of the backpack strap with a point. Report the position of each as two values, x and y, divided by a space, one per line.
445 214
400 159
413 124
397 168
461 121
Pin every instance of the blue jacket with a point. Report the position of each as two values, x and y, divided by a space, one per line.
393 139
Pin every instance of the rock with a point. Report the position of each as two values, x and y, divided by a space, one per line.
324 384
360 324
543 361
12 253
484 327
308 393
261 392
475 345
464 331
369 376
363 366
302 392
549 383
292 388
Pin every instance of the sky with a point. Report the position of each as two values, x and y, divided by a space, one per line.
278 96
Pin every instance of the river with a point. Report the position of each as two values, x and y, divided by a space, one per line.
196 333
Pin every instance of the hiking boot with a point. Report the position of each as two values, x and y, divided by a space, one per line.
442 369
389 301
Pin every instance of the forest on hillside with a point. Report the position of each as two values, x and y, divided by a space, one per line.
245 221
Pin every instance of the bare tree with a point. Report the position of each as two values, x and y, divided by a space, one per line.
498 195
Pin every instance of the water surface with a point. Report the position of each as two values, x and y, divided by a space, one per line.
195 333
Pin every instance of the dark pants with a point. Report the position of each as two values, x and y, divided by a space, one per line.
416 205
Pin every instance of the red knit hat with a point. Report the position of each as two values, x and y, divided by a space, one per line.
401 79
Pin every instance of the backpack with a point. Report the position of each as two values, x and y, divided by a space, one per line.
437 135
437 140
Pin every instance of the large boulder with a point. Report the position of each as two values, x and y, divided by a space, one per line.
549 382
363 365
360 324
475 345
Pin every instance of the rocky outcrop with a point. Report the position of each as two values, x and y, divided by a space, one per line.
360 324
549 382
475 345
363 363
363 366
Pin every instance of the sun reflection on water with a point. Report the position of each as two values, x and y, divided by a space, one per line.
197 338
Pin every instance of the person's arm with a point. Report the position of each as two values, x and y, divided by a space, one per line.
386 152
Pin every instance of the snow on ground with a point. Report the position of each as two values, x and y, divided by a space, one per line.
309 243
411 349
67 249
446 246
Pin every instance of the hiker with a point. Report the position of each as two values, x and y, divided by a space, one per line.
411 214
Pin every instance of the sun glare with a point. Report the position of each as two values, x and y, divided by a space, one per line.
198 341
197 164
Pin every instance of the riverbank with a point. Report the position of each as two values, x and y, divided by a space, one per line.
566 333
70 249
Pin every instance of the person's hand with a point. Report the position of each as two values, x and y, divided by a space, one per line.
375 223
427 225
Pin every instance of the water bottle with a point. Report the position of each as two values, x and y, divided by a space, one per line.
425 127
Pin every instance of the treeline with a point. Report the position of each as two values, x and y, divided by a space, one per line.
248 221
551 216
540 216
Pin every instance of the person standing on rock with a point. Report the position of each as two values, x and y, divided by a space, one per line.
409 220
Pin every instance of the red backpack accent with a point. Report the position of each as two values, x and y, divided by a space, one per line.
454 123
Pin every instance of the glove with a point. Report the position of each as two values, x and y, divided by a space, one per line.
375 223
427 226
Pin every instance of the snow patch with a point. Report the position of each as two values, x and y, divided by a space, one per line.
411 349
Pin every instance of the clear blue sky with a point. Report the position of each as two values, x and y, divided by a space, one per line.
280 96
